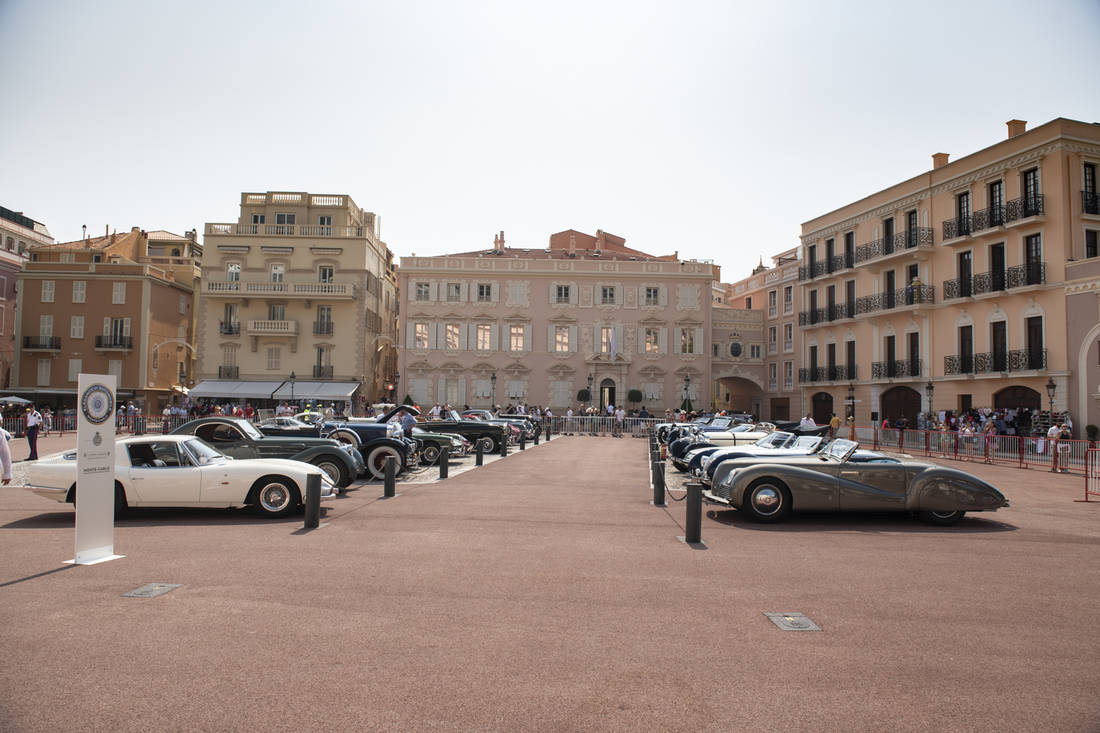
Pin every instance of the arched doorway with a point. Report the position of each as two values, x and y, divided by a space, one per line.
607 393
1017 398
738 394
823 408
900 401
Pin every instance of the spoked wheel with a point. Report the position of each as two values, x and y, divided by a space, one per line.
430 454
767 500
376 460
336 473
275 497
488 444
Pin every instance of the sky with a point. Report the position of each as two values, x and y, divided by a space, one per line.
709 128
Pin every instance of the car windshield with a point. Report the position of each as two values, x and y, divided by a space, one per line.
452 415
840 449
249 429
807 442
741 429
202 453
775 440
720 422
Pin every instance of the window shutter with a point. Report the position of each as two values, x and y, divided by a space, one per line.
663 296
641 340
699 341
574 293
494 289
410 335
464 291
662 341
527 337
433 336
126 328
107 326
573 345
552 296
551 329
464 336
494 336
618 339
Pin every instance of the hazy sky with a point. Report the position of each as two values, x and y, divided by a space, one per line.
712 128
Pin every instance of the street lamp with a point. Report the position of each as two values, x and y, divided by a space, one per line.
393 392
687 392
493 391
292 388
851 399
589 390
1051 389
929 388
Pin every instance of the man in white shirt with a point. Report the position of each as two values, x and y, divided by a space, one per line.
569 421
620 415
34 422
808 422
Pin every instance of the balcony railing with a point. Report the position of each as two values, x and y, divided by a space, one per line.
989 218
1090 202
322 328
229 329
955 227
275 328
901 241
285 230
995 362
899 368
240 289
836 373
773 311
228 372
114 342
1017 276
41 343
1024 207
322 372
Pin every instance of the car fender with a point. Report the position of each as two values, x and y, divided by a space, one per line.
309 454
402 448
946 489
810 490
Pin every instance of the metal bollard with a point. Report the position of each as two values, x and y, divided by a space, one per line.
444 460
523 441
313 501
536 438
549 428
504 446
658 484
479 455
693 522
389 476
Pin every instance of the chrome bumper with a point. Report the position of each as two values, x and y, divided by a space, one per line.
710 498
48 492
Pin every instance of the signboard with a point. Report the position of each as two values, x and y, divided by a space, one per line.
95 469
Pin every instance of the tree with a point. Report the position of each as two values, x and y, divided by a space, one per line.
634 396
584 395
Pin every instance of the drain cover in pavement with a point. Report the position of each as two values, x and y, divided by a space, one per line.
151 590
792 622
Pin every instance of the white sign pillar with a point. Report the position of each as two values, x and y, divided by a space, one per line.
95 469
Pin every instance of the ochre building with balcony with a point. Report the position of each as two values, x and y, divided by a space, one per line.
18 233
301 284
948 291
119 304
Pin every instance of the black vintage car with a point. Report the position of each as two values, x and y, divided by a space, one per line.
475 431
240 439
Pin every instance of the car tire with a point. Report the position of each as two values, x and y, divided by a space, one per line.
376 460
767 500
489 444
941 519
120 501
345 436
275 496
430 454
334 469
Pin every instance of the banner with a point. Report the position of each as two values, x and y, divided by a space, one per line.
95 469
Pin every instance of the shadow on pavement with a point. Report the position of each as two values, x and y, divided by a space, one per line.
160 516
856 522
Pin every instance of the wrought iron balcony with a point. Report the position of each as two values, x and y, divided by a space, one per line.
322 372
995 362
989 218
228 372
232 328
114 342
898 368
322 328
1027 359
1090 202
959 226
1017 276
900 298
812 317
42 343
1024 207
1031 273
835 373
901 241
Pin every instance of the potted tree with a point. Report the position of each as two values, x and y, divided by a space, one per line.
634 396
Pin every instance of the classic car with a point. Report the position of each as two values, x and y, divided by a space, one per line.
240 439
700 452
475 431
769 488
292 426
184 471
515 428
713 468
432 444
375 441
738 435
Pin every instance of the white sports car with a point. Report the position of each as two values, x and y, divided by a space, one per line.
182 470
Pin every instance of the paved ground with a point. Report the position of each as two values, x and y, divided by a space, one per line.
543 592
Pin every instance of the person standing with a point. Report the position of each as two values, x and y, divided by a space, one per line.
620 414
34 423
834 425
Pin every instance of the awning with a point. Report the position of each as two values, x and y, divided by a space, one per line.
234 389
315 391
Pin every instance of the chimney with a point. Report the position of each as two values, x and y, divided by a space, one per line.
939 160
106 230
1016 127
572 243
502 239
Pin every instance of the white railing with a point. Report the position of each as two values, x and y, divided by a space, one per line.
588 425
302 290
275 327
285 230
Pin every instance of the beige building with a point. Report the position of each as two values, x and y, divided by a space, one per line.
537 325
948 291
301 284
773 294
18 233
115 304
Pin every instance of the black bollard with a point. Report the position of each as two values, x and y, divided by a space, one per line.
658 484
504 446
479 455
537 437
523 441
694 521
313 501
444 460
549 428
389 476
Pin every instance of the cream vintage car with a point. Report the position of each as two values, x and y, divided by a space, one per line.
184 471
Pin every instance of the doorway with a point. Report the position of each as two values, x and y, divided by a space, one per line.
823 408
607 393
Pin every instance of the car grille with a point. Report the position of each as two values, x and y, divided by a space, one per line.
722 491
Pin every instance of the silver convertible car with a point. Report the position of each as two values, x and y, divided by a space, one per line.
768 489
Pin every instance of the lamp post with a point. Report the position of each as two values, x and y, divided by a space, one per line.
393 393
1052 388
493 391
590 378
687 392
929 389
851 400
292 378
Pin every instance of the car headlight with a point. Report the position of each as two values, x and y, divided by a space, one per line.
456 443
728 480
705 462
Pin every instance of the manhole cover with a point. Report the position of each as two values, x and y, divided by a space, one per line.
151 590
793 621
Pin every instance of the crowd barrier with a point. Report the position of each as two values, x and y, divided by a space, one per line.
61 424
1092 473
1021 451
592 425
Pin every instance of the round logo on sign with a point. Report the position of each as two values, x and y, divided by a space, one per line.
97 403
